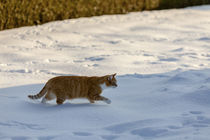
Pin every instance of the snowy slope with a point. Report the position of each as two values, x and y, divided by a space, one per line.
162 61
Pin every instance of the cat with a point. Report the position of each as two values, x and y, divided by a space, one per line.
71 87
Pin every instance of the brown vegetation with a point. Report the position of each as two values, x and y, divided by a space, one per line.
16 13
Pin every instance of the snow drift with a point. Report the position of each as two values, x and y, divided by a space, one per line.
162 61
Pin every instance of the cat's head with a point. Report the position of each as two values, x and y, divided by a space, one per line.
111 80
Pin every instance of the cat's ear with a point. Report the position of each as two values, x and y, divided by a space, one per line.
110 77
114 74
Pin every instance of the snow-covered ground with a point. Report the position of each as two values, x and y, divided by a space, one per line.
163 63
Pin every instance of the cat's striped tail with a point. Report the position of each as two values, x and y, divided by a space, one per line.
39 95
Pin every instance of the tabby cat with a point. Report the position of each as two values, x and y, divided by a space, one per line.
70 87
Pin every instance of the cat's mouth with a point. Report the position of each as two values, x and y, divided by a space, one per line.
114 85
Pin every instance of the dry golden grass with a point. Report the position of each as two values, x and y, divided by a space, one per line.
16 13
166 4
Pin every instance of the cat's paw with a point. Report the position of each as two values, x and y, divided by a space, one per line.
108 101
92 102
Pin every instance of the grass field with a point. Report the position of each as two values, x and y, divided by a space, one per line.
17 13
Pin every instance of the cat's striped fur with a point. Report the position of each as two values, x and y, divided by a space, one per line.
70 87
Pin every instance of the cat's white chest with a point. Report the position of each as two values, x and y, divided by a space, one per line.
103 86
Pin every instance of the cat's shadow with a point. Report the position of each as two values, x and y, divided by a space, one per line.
67 105
83 105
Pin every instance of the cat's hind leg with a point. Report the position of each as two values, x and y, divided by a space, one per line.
49 96
44 100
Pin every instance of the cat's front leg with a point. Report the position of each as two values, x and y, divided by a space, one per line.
101 98
108 101
91 101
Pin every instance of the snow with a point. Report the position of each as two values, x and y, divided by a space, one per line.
162 61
